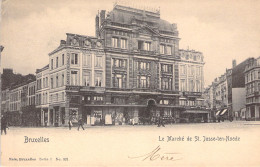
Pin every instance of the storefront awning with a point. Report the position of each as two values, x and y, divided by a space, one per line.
197 111
218 113
223 112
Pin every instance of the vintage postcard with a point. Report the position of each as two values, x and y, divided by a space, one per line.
130 83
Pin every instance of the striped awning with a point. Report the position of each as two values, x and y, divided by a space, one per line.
218 113
223 112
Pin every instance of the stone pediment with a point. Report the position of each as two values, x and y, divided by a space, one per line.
145 30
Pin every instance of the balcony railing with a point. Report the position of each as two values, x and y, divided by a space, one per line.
83 88
192 94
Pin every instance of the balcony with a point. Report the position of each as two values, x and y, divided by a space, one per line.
170 92
144 52
84 88
166 72
118 89
115 68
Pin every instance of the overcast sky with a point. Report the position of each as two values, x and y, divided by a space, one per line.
222 30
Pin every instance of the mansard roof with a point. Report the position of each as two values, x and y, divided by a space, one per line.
128 15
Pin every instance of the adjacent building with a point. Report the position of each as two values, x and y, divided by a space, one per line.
226 96
252 85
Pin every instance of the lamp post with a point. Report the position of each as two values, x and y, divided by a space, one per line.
1 49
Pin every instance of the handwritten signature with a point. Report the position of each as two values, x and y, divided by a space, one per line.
157 155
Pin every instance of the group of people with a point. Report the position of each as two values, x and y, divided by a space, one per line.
3 124
80 124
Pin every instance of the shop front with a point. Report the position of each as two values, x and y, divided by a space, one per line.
110 114
195 116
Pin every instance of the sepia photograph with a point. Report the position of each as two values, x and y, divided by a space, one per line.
130 83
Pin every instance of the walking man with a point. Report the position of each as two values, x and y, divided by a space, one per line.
3 124
160 121
70 123
80 124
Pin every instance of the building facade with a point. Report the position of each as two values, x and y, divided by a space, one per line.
42 95
229 92
132 72
252 84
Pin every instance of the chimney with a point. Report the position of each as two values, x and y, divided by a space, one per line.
234 63
97 26
62 42
102 16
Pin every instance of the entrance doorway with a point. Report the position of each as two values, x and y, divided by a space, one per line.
146 114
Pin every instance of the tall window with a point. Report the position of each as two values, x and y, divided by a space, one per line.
143 81
183 85
74 58
166 68
198 71
198 86
52 64
166 83
144 65
147 46
57 81
98 62
183 69
87 60
57 62
47 83
162 49
43 82
63 60
46 96
191 85
114 42
140 45
123 43
119 81
98 79
57 96
192 70
74 77
51 98
86 79
169 50
119 63
62 80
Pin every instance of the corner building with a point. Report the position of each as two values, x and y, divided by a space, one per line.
128 73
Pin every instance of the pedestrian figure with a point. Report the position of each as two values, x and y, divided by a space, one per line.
3 124
70 124
80 124
133 122
160 121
